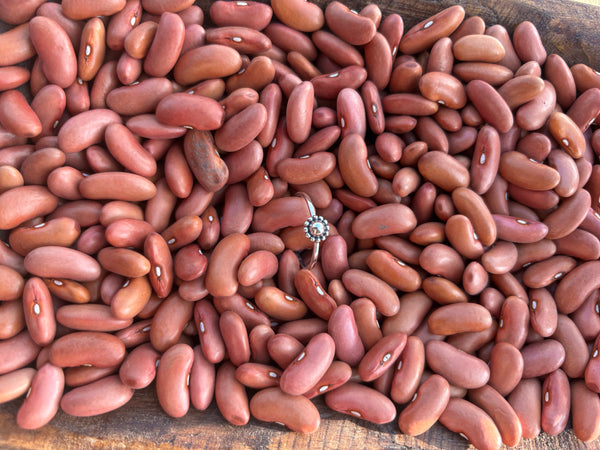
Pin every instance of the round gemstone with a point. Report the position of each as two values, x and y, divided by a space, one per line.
317 228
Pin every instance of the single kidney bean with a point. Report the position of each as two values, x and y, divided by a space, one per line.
231 396
42 402
15 384
309 366
361 401
99 397
172 379
584 411
556 402
295 411
138 369
443 359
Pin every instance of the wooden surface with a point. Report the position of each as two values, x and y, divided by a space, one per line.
569 28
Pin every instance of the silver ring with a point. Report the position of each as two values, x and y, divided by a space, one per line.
316 228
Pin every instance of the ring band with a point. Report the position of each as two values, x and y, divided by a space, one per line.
316 228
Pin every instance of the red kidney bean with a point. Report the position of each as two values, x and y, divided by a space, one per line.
138 369
172 379
361 401
556 402
98 397
309 366
438 356
231 396
294 411
42 402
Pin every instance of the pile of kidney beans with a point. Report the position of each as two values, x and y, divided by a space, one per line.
151 154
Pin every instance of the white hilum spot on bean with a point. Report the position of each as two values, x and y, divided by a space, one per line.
342 122
304 157
355 413
532 160
400 263
501 323
280 423
189 127
301 357
320 291
146 329
441 102
200 251
266 176
595 354
386 358
399 366
88 50
482 158
533 304
211 218
369 164
39 225
132 21
28 392
394 50
463 435
36 309
55 124
241 3
324 388
597 215
558 275
272 374
58 282
374 108
414 397
597 308
522 222
475 236
125 284
547 397
565 142
171 241
190 92
289 298
236 39
355 12
187 381
428 24
274 142
157 361
79 81
250 305
157 271
202 329
333 75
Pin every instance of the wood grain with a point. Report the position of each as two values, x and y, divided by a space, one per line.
569 28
